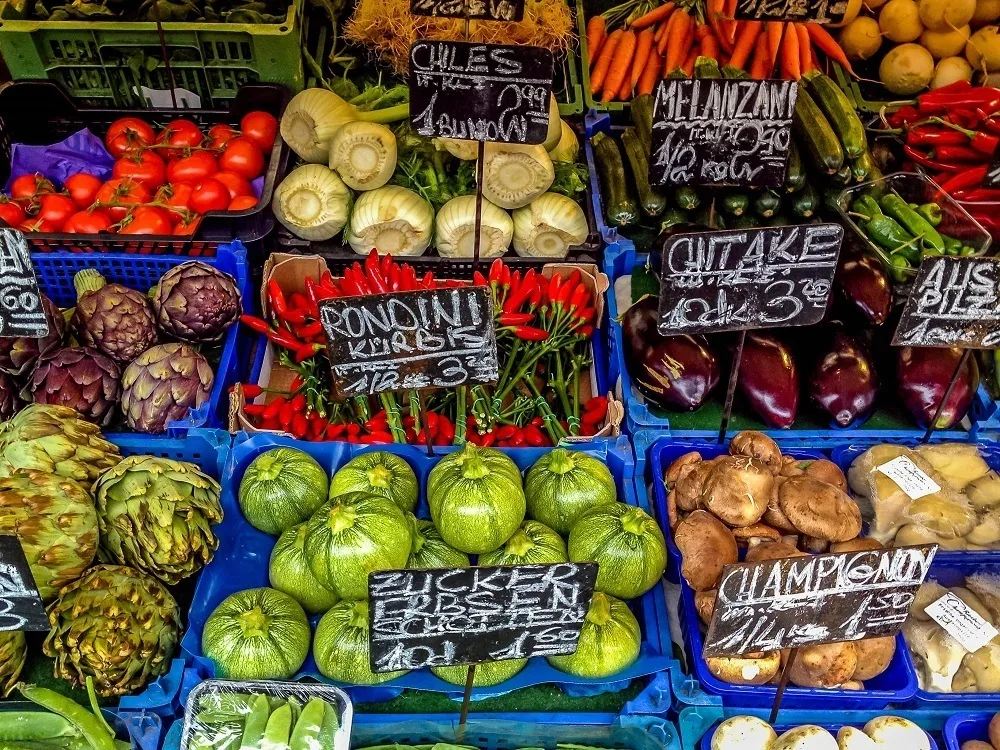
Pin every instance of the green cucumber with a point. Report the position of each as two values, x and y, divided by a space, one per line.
652 201
620 207
839 113
812 128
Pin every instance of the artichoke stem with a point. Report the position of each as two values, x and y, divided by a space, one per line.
88 280
560 461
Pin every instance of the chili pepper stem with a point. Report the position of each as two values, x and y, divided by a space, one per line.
393 416
461 424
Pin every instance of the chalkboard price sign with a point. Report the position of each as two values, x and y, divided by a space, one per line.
438 338
437 618
477 10
21 311
745 279
992 179
480 92
801 601
954 302
722 132
815 11
21 607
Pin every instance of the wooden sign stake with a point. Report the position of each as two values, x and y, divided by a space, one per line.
166 55
470 677
731 391
782 684
427 427
947 394
479 205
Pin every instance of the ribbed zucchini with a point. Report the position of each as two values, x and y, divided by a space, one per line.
642 118
686 198
805 202
735 202
839 113
795 177
812 128
766 203
620 207
651 201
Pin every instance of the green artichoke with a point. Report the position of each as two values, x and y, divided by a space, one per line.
156 515
116 625
13 650
55 521
162 384
112 318
79 377
55 440
195 302
19 354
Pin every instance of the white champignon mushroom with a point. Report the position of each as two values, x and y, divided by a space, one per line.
806 737
852 738
743 733
895 732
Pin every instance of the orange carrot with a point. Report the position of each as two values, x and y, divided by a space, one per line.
643 46
775 29
710 47
746 38
596 34
791 63
620 66
604 61
761 58
822 39
661 29
656 14
701 31
688 66
651 74
677 44
805 48
661 46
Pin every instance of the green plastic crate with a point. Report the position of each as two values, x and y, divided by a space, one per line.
588 98
103 64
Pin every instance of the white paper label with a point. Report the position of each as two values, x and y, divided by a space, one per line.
910 477
962 622
163 100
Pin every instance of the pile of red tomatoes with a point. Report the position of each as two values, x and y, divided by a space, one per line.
162 182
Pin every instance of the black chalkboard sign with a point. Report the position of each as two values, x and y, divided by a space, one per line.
798 601
954 302
437 618
744 279
21 607
722 132
21 311
439 338
992 178
476 10
815 11
480 92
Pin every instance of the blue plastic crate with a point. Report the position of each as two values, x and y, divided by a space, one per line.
55 273
243 564
144 731
967 726
827 721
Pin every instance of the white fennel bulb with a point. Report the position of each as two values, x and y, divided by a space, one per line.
568 147
555 128
548 227
514 175
455 229
393 220
460 149
363 154
312 202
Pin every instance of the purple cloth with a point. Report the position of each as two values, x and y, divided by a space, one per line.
81 152
258 185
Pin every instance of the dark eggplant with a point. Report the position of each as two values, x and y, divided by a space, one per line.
769 379
864 288
675 372
923 374
843 382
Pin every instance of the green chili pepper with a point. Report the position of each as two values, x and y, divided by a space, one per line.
278 730
951 245
33 725
90 726
896 207
900 267
305 736
931 212
256 723
888 234
867 206
967 250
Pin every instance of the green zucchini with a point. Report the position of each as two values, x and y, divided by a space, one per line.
766 204
686 198
735 202
651 201
779 220
862 167
642 118
812 128
839 113
795 176
805 202
707 67
842 176
672 217
706 217
620 207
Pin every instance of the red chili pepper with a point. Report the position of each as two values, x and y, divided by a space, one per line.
428 281
350 286
980 194
968 178
378 423
925 161
579 297
535 299
506 432
555 284
309 350
985 143
326 280
296 384
298 402
252 390
283 338
958 153
520 292
295 316
375 279
588 430
903 116
254 410
478 279
297 300
386 264
945 102
927 135
515 319
276 297
594 417
528 333
354 429
505 276
992 124
586 314
334 431
586 332
300 425
317 426
313 294
515 282
285 415
533 436
446 432
496 270
487 440
256 324
376 437
268 424
274 408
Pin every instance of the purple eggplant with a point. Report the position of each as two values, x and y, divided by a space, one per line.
923 374
769 379
865 288
843 382
675 372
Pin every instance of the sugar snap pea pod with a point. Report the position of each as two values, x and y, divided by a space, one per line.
305 735
33 725
236 705
278 729
256 723
330 726
916 224
293 703
931 212
90 726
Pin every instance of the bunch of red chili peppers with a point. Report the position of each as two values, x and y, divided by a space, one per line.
952 133
543 327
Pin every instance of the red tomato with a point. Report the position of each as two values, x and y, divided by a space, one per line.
194 168
175 197
188 227
219 135
30 185
87 222
261 128
37 225
55 208
127 135
243 157
147 220
209 195
143 166
83 188
183 134
236 185
11 213
242 203
125 191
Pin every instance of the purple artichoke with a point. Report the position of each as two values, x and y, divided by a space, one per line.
112 318
81 378
161 385
10 400
18 355
195 302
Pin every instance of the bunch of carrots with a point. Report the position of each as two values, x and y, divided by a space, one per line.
653 44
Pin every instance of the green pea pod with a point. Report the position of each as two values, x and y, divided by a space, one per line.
256 723
916 224
33 725
296 707
305 736
330 726
90 726
278 730
235 705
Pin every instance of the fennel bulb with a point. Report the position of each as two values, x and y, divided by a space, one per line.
568 147
455 229
312 202
314 115
460 149
391 219
363 154
555 128
514 174
549 226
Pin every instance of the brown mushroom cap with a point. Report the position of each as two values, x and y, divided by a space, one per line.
707 546
976 745
859 544
749 669
994 730
814 545
704 604
874 655
791 467
819 509
757 445
773 515
744 534
824 665
690 484
827 471
769 550
737 490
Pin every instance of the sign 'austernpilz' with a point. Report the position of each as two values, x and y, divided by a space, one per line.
479 10
21 606
21 311
815 11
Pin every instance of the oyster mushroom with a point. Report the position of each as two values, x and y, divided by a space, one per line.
706 546
749 669
824 665
743 733
987 588
771 550
894 732
873 656
819 509
757 445
859 544
928 593
704 604
737 490
936 654
979 672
